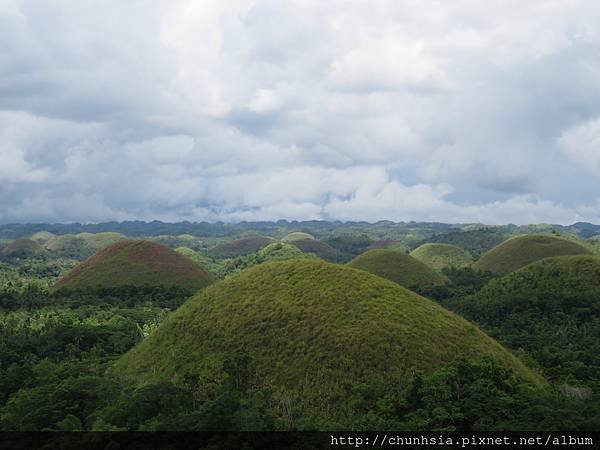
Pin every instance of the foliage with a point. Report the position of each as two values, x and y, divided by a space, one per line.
475 242
136 263
314 334
240 247
398 267
519 251
441 256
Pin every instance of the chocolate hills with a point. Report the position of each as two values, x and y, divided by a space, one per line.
310 333
297 236
398 267
439 256
322 249
551 309
240 247
22 248
519 251
136 263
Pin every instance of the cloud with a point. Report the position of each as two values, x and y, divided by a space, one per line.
258 109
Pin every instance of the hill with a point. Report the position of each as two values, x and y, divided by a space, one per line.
326 342
319 248
41 237
551 309
22 248
136 263
240 247
297 236
97 241
475 242
398 267
519 251
439 256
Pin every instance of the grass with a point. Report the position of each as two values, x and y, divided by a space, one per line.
520 251
136 263
314 334
439 256
399 267
297 236
322 249
22 248
240 247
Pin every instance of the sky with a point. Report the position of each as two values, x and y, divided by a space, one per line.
459 112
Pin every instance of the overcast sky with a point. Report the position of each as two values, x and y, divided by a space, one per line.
455 111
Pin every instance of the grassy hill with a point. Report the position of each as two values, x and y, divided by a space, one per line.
550 308
22 248
322 249
519 251
398 267
475 242
41 237
439 256
136 263
97 241
297 236
240 247
325 341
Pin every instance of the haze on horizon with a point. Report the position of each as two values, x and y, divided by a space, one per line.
459 111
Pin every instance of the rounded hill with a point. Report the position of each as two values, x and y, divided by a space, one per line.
520 251
439 256
551 309
23 248
312 334
136 263
398 267
297 236
240 247
322 249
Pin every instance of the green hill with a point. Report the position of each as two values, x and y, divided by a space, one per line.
475 242
439 256
325 341
550 308
22 248
398 267
519 251
319 248
41 237
97 241
240 247
136 263
297 236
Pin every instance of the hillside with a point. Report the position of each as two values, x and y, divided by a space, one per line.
550 308
519 251
475 242
136 263
240 247
398 267
97 241
297 236
439 256
322 249
22 248
326 341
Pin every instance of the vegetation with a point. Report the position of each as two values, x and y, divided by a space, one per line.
350 246
322 249
136 263
398 267
297 236
312 335
519 251
440 256
550 309
22 248
240 247
476 241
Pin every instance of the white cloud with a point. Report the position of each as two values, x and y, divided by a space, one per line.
582 144
411 110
